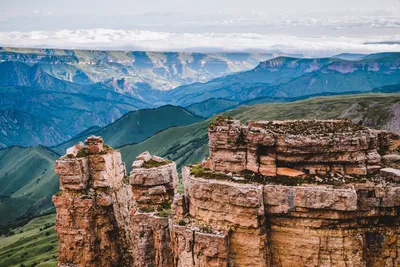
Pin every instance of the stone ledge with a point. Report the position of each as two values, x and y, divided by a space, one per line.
154 176
391 174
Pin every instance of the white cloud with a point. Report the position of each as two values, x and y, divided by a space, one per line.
108 39
349 22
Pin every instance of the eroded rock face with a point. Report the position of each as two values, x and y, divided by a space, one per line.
281 225
153 181
292 193
316 195
92 208
312 147
105 218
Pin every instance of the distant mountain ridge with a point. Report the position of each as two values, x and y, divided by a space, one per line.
60 93
19 127
350 56
57 110
135 69
265 75
60 109
290 77
136 126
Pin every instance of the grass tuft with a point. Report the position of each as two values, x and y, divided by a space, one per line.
154 164
218 119
164 213
198 171
82 153
181 222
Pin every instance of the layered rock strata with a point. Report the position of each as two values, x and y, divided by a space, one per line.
105 218
289 193
313 147
93 207
153 191
284 225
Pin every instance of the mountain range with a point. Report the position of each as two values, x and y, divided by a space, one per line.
285 77
129 71
57 110
58 94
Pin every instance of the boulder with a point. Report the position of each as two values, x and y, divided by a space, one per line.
94 144
391 161
145 156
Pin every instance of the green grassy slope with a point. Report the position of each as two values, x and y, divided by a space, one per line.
393 88
136 126
27 182
187 144
35 242
211 106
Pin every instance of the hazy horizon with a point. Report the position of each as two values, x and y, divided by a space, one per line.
310 27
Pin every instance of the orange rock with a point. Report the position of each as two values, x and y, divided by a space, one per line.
207 164
282 171
268 170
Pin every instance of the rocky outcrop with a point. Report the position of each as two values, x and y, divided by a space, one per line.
93 206
314 147
105 218
153 181
290 193
281 225
299 193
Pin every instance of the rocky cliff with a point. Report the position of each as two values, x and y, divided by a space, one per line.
280 193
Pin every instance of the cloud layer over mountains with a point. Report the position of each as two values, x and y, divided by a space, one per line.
312 28
195 42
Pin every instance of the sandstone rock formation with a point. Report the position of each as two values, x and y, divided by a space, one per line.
105 218
288 193
314 147
153 181
92 208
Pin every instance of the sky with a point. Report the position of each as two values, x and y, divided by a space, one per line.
187 6
310 27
